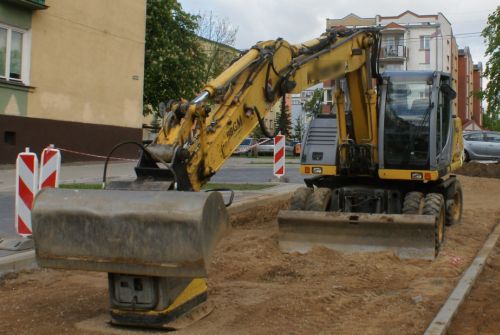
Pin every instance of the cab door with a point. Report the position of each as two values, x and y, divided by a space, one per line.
477 145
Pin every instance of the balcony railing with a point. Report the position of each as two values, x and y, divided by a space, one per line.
394 52
31 4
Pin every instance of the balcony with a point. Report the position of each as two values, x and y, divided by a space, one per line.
29 4
393 53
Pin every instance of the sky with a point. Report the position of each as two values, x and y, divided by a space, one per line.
301 20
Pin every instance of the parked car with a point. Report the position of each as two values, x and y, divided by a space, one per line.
297 148
266 147
482 145
247 147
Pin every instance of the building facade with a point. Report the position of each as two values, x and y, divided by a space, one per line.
416 42
465 85
477 86
71 75
410 41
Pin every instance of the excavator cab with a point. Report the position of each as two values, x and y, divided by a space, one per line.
415 112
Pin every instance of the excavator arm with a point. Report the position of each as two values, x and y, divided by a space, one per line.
206 131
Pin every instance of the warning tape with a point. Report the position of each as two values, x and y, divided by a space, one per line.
250 147
97 156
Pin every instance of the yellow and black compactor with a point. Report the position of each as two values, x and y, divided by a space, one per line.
379 168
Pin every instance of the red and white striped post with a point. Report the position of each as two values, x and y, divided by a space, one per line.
26 188
279 155
50 165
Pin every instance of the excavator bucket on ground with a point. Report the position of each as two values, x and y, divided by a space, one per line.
148 233
409 236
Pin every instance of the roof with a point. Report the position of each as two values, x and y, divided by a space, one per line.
394 25
351 20
408 12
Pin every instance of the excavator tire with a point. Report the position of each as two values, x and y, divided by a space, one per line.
413 203
319 200
434 205
455 208
299 198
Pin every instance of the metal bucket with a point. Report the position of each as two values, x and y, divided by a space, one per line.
409 236
147 233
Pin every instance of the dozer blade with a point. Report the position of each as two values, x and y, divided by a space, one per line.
409 236
147 233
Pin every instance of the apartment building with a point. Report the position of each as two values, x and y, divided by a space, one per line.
410 41
416 42
71 74
477 86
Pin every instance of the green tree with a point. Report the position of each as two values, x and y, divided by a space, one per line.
491 94
283 123
220 36
491 123
174 63
314 105
298 129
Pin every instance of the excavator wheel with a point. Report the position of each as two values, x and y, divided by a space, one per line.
413 203
319 200
455 206
434 205
299 198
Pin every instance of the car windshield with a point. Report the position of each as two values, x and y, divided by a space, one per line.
474 137
407 115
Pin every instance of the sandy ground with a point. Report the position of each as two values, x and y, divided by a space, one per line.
259 290
480 314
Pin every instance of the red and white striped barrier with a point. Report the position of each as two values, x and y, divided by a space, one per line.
26 188
50 165
279 155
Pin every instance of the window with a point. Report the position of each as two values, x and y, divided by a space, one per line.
443 117
328 96
477 137
14 55
425 43
407 122
9 137
492 137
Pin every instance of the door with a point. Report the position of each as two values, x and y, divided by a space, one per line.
493 145
476 145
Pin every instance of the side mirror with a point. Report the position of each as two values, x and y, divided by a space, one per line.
448 91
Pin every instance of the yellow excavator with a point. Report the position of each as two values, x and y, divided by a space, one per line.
379 177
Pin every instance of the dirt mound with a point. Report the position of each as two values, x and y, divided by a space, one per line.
476 169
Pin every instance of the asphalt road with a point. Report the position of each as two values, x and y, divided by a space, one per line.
236 170
7 214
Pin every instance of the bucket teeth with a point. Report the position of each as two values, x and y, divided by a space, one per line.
409 236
